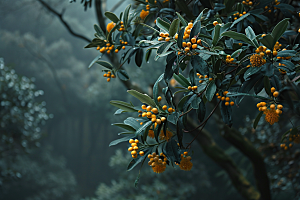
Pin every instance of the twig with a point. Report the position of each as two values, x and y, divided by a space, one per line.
60 16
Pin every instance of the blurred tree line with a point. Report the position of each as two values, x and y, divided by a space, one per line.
80 130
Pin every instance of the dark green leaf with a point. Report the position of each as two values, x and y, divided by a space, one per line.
199 65
126 15
180 38
182 80
174 27
99 31
257 119
216 34
115 142
286 53
164 47
279 29
132 122
211 90
268 41
125 126
123 105
150 27
144 98
201 111
165 26
226 113
267 85
196 29
122 74
251 71
240 19
238 36
182 102
112 16
183 21
139 57
95 59
136 161
143 127
104 64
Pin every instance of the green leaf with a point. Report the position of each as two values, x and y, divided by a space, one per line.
182 80
126 15
183 5
155 90
124 126
171 151
201 14
240 19
267 85
109 36
136 161
139 57
236 53
124 139
132 122
286 53
195 103
216 34
144 98
99 31
104 64
225 27
257 119
150 27
231 94
279 29
174 27
95 59
196 29
182 102
183 21
268 41
142 128
199 65
226 113
123 105
164 47
163 24
251 71
251 35
237 36
201 111
157 132
122 74
180 39
112 16
211 90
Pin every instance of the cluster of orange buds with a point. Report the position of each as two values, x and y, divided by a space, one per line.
276 48
229 59
215 23
237 15
247 2
284 58
257 59
191 45
151 114
170 109
109 75
110 26
224 98
106 49
165 1
144 14
203 78
164 36
124 43
283 72
295 138
122 28
192 88
187 30
185 163
134 148
157 162
285 147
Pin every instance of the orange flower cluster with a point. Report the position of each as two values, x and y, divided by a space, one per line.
134 148
157 162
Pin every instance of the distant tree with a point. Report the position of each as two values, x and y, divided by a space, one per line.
21 118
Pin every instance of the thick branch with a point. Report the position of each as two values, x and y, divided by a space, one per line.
246 147
217 154
60 16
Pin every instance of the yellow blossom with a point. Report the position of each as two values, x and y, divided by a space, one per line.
144 14
186 163
110 26
167 137
271 116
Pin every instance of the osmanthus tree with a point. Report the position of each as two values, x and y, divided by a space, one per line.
219 55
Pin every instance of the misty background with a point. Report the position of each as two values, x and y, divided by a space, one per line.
74 160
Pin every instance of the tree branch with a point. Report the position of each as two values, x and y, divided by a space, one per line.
60 16
217 154
242 143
